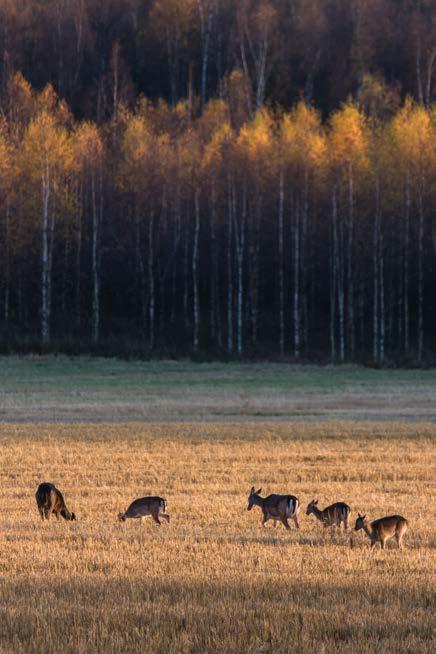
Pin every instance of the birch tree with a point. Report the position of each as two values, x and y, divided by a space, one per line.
46 163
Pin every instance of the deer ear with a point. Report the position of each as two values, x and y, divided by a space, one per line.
364 516
359 516
252 490
259 491
316 502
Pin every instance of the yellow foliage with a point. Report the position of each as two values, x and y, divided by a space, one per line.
348 138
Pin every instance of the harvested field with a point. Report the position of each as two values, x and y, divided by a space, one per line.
213 580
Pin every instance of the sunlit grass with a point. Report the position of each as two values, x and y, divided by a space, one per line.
214 580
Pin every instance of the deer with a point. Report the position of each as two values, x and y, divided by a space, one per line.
275 507
336 514
144 506
379 531
49 500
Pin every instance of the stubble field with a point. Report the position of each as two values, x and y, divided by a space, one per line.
214 580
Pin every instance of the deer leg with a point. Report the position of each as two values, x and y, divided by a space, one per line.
285 522
383 543
41 512
165 516
346 524
265 519
156 518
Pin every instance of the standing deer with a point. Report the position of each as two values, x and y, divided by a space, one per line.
379 531
275 507
335 514
50 500
144 506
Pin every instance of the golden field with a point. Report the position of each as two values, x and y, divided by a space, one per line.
214 580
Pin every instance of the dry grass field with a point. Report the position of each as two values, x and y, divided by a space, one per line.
214 580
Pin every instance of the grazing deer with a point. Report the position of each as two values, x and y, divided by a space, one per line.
382 529
154 506
335 514
50 500
275 507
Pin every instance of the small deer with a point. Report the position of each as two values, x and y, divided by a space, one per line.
275 507
144 506
379 531
334 515
50 500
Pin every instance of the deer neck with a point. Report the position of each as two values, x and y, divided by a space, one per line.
318 513
368 530
258 501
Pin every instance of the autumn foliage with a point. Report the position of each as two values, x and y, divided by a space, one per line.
221 212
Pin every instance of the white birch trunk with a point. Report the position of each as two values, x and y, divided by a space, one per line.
375 323
351 332
151 283
420 277
281 263
45 263
296 294
195 272
406 268
95 266
229 270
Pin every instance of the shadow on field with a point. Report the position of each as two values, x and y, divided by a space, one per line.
150 615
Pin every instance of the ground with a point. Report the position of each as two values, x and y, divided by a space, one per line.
213 580
38 389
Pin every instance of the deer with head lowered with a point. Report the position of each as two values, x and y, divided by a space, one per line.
275 507
379 531
50 500
144 506
335 514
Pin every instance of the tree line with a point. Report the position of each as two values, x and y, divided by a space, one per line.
169 230
97 53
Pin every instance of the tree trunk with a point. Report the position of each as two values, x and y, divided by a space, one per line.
281 264
78 294
333 278
239 231
382 330
420 277
151 284
375 323
350 275
45 262
296 294
194 272
338 249
95 266
7 266
229 270
406 267
206 28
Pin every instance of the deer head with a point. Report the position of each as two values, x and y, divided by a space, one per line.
252 497
360 522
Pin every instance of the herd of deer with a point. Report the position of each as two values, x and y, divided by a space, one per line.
274 507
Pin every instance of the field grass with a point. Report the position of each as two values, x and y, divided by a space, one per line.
65 389
214 581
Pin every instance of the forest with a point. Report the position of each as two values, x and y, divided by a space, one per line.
219 178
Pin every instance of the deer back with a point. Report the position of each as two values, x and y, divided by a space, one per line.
145 506
388 525
281 504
